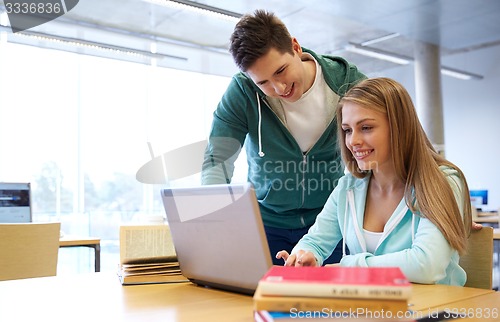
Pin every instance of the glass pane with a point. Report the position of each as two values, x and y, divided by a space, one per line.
77 127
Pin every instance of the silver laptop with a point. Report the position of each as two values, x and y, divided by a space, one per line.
218 235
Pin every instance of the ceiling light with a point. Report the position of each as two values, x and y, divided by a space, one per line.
379 39
459 74
379 54
199 8
404 60
78 43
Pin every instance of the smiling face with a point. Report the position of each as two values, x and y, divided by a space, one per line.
281 75
367 136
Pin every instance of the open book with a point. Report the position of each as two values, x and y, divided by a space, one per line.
147 255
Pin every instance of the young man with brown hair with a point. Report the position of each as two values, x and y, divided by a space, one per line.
281 107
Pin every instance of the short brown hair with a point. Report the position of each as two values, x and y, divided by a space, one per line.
254 35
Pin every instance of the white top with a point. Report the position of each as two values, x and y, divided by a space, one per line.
309 116
372 239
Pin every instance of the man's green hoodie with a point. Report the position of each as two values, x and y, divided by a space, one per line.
291 186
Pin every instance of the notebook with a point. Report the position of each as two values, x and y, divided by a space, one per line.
218 235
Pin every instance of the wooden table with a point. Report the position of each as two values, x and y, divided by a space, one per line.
92 242
485 307
100 297
496 235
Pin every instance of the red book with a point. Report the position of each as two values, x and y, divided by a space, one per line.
336 281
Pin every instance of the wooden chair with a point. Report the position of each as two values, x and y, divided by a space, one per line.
478 262
28 250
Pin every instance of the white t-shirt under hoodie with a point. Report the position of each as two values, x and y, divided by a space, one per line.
309 116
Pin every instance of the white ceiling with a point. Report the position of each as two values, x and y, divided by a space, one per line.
190 41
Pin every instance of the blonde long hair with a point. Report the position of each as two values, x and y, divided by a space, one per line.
427 191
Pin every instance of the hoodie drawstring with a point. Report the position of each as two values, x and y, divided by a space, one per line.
344 253
261 153
352 208
412 228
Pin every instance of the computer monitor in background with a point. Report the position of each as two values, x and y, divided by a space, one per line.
15 202
479 198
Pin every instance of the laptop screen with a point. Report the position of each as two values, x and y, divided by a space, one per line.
218 235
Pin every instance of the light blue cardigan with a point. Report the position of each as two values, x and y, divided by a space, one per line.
409 241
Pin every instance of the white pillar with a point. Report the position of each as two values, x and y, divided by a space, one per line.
429 101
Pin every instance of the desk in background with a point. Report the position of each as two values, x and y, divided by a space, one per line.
64 298
489 218
92 242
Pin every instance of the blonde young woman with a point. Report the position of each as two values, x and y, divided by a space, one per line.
402 204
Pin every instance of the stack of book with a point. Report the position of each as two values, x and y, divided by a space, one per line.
147 256
332 291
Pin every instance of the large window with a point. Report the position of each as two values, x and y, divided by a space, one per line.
77 128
